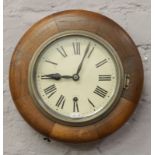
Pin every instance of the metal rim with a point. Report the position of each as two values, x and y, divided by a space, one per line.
51 114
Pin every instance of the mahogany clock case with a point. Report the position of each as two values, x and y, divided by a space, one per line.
84 21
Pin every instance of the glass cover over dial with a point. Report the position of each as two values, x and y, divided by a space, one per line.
76 78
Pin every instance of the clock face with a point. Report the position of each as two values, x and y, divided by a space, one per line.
76 78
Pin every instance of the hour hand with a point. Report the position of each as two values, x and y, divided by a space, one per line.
56 76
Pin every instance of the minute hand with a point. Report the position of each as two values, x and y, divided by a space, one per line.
81 63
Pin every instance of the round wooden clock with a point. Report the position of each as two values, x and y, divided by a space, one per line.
76 76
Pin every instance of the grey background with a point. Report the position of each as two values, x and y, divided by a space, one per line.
134 137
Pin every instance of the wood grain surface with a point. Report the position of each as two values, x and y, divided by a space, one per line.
75 20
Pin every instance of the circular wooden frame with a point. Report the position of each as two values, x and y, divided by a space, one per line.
85 21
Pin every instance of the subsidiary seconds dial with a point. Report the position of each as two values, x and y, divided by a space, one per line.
76 78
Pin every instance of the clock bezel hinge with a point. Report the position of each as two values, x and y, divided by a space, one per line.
126 81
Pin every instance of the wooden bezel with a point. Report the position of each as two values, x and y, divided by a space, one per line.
84 21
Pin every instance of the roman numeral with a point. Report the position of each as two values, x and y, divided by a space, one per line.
75 105
51 62
61 102
91 103
62 51
91 51
101 63
76 48
100 91
50 90
104 78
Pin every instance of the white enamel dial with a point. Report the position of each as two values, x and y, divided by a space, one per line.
72 95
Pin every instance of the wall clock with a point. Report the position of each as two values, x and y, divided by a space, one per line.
76 76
